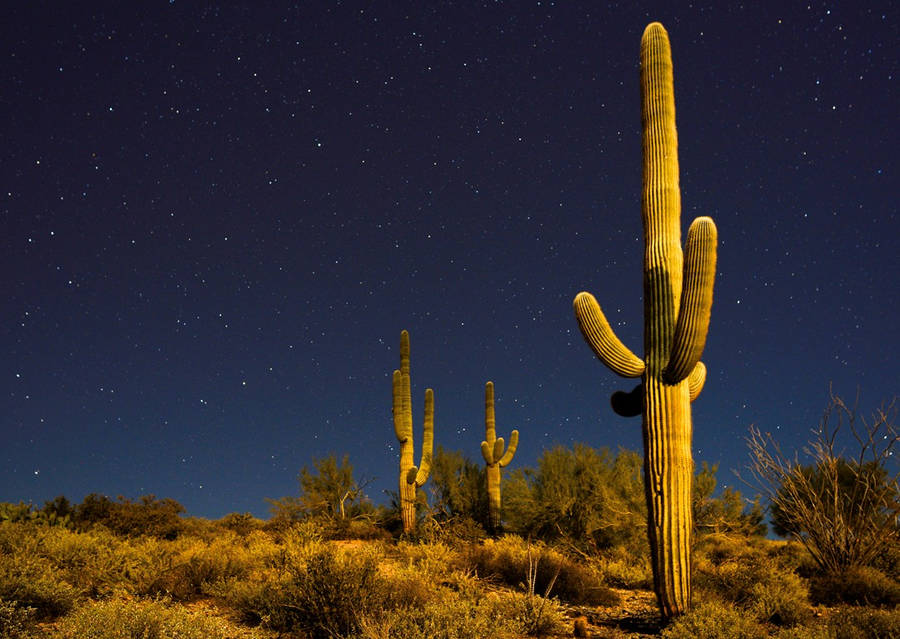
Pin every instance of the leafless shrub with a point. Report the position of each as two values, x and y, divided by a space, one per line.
844 509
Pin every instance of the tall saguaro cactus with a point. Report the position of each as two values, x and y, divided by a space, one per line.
494 457
678 292
411 476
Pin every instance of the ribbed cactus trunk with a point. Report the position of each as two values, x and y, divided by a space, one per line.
411 476
493 490
668 465
494 457
677 301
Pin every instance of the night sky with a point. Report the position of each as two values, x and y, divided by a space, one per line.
217 218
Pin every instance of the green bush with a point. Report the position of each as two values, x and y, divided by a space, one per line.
459 489
590 497
714 620
861 586
145 619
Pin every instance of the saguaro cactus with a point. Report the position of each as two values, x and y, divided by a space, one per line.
494 457
677 300
411 476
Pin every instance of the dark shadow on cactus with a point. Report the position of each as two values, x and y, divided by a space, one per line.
628 404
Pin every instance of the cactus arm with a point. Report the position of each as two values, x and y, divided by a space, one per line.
487 452
696 301
498 449
401 426
511 450
600 337
696 380
427 441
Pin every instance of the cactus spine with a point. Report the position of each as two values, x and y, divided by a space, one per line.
411 476
494 457
677 300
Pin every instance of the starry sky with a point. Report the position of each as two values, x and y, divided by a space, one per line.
217 218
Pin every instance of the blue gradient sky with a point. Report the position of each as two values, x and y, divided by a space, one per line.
217 219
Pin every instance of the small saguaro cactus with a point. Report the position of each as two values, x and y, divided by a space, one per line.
412 477
494 457
678 291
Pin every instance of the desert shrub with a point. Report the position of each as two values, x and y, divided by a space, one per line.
465 615
16 621
510 559
865 623
750 575
240 523
529 613
147 516
146 619
861 586
458 488
329 591
328 493
89 561
714 620
430 558
15 513
198 565
588 496
322 592
31 582
843 510
849 623
622 569
727 513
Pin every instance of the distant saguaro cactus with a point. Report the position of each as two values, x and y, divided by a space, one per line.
411 476
678 291
494 457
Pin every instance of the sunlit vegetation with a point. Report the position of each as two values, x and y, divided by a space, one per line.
572 558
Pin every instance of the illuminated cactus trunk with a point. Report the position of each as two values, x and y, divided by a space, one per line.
411 476
677 301
494 457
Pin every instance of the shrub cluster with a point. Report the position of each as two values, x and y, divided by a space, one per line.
750 575
513 561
